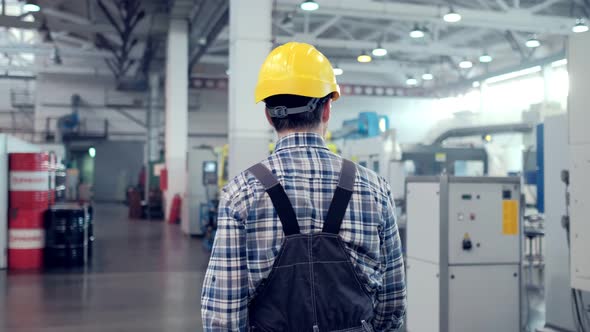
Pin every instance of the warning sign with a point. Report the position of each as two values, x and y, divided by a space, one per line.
510 217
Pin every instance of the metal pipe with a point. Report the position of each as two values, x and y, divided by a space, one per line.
483 130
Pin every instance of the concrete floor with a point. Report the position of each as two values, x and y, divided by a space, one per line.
145 276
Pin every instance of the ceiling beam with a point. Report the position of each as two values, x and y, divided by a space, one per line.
325 26
345 32
63 51
503 5
517 20
542 6
431 49
144 29
64 15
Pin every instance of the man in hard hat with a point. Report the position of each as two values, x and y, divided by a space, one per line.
306 240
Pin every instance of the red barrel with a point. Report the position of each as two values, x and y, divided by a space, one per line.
29 180
26 239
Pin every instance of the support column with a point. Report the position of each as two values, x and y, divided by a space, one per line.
250 43
153 120
176 108
153 132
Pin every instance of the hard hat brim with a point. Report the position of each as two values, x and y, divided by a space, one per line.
294 86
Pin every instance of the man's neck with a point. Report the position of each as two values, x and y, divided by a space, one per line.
284 133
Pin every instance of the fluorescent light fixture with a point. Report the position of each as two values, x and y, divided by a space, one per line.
452 16
338 71
92 152
475 84
364 58
31 8
379 51
580 26
559 63
427 76
465 64
533 42
411 81
417 32
485 58
515 74
309 5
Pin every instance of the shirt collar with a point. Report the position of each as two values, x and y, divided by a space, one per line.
295 140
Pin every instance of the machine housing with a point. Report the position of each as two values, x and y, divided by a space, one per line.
201 190
463 254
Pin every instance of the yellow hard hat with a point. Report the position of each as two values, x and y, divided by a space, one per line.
296 69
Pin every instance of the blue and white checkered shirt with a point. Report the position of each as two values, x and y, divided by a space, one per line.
250 234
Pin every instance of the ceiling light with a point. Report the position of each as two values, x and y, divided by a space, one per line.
338 71
411 81
427 76
417 32
465 64
31 8
485 58
92 152
533 42
452 16
379 51
364 58
309 5
580 26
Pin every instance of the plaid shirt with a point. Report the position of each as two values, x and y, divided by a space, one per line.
249 233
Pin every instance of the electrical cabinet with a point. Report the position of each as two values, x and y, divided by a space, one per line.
463 253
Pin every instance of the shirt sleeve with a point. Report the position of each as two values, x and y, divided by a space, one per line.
391 298
224 298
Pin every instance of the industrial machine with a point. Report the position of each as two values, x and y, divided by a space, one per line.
200 196
366 125
579 152
463 254
381 154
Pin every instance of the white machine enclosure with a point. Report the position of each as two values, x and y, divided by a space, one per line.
558 299
381 154
579 145
463 290
197 195
8 144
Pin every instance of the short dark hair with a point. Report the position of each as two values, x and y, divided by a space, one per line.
300 121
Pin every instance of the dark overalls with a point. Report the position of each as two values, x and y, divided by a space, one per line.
313 285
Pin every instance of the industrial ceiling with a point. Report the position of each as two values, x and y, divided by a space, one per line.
491 36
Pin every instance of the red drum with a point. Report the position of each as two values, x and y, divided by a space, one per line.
29 180
26 239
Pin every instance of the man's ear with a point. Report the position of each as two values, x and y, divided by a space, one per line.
268 118
327 111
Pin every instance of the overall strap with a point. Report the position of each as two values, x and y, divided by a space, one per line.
341 198
279 198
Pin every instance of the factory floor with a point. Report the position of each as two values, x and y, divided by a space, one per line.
144 276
